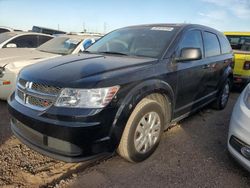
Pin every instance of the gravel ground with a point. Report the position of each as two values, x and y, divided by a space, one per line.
191 154
5 132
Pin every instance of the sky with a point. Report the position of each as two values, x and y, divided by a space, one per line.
107 15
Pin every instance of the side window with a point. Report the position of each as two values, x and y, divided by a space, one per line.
212 45
225 45
26 41
192 39
42 39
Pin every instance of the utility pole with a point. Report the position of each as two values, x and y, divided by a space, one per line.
105 27
83 27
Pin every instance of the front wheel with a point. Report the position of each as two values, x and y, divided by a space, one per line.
142 132
223 96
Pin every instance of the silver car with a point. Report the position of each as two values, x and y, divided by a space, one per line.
239 130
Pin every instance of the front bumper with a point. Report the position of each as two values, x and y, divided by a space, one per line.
239 132
66 134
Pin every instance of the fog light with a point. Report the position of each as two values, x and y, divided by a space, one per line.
245 151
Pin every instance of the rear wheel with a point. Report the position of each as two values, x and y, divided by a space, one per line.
142 132
223 96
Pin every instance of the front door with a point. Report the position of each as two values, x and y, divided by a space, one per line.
191 75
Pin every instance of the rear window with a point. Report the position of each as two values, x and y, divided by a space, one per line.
241 43
212 45
6 36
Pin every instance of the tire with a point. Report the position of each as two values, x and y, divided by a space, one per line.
135 142
222 99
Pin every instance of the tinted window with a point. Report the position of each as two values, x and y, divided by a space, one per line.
2 30
239 42
43 39
192 39
6 36
135 41
212 45
225 45
25 41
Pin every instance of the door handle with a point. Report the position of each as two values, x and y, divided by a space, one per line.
206 66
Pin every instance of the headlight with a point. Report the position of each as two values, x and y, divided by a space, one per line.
247 97
86 98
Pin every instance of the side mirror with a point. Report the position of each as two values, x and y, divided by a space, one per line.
11 45
87 43
189 54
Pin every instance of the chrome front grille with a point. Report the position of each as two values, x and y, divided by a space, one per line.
45 89
36 96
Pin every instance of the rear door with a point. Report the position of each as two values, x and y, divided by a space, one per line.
217 61
191 75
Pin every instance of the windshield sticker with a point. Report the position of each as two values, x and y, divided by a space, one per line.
162 28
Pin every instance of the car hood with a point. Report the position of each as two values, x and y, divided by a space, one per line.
73 68
17 58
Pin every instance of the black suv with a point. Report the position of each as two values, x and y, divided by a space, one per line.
122 92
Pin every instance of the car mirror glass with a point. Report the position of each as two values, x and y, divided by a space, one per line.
189 54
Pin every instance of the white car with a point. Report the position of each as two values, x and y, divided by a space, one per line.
239 130
19 39
12 60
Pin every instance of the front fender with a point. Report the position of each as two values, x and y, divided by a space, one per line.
133 97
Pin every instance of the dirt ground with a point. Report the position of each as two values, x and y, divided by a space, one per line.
191 154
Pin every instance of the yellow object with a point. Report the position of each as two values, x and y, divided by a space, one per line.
240 42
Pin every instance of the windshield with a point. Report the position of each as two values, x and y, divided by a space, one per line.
241 43
6 36
138 41
60 45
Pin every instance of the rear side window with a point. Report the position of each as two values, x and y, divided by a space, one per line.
211 44
42 39
225 45
192 39
241 43
25 41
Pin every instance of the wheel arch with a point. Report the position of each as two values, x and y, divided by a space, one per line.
227 74
153 89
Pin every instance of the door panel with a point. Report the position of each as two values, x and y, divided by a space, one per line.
191 79
191 75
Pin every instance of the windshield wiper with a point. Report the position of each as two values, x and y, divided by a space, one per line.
85 51
116 53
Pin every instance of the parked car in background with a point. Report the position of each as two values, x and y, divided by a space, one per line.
122 92
45 30
240 42
239 130
17 39
5 29
13 60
